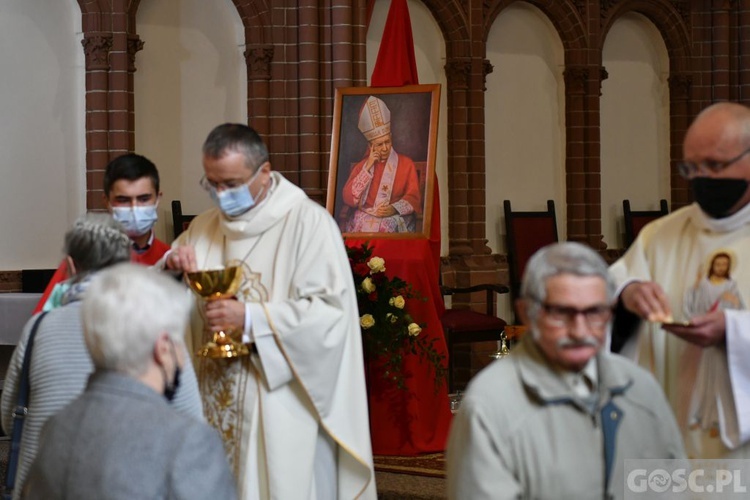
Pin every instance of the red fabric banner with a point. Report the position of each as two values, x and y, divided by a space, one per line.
396 65
416 420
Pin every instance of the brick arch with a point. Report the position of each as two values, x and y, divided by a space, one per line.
96 7
668 20
255 15
452 18
564 17
675 32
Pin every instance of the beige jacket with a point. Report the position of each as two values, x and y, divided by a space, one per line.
522 433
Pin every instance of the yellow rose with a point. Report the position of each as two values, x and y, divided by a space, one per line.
376 265
368 286
367 321
397 301
414 329
391 317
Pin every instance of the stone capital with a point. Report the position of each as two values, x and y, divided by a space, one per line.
457 73
258 59
96 47
576 78
679 85
135 44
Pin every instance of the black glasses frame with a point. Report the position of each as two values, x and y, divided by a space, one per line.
689 169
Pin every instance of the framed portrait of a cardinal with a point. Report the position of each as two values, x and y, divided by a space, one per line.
382 166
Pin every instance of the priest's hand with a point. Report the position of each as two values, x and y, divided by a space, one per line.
182 259
648 300
706 330
225 314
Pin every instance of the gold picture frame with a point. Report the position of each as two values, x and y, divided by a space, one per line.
413 132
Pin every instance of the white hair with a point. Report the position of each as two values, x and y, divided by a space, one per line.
561 258
125 310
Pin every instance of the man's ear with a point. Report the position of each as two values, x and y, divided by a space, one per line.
522 307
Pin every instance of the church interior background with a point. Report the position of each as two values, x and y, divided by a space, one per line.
580 101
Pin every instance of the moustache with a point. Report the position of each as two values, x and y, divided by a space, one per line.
584 342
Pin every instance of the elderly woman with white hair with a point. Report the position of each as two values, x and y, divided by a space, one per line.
60 363
134 320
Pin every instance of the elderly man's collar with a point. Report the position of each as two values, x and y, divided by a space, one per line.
544 381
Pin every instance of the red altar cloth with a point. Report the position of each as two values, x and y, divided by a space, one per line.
415 420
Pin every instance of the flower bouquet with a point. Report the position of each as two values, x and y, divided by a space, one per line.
388 330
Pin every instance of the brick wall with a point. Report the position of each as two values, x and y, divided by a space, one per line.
298 51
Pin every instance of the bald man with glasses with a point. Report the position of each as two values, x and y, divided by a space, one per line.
559 416
698 353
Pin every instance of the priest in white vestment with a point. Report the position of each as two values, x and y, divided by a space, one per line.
293 413
687 278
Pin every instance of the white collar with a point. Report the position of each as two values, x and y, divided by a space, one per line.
726 225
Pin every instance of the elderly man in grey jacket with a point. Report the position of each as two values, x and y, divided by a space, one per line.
121 439
558 417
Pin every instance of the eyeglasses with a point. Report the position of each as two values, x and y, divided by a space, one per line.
689 169
220 186
595 316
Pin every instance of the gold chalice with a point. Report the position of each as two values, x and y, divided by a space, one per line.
213 285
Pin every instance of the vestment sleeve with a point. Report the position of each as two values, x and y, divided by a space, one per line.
317 325
738 350
356 185
407 198
631 267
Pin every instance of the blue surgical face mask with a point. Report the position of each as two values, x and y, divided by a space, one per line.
137 220
235 201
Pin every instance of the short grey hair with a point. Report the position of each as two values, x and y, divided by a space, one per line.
96 241
126 309
236 138
561 258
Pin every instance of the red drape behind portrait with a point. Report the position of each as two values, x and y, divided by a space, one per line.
416 420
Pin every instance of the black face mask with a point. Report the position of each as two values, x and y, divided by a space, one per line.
171 389
717 196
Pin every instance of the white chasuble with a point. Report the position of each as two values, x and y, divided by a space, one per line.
307 378
702 264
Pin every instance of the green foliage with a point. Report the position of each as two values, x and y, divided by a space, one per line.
388 330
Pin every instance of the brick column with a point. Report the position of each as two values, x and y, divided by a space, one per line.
679 120
720 50
258 60
96 47
457 71
583 157
743 51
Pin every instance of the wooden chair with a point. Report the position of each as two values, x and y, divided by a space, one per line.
635 220
180 221
464 326
525 233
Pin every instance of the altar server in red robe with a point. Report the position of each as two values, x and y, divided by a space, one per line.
131 193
